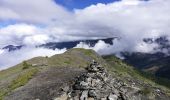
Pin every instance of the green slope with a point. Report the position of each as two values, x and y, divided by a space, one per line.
124 70
20 74
156 63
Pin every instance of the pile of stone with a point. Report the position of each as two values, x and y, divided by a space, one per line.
97 84
93 85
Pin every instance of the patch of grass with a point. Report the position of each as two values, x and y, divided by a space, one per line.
158 80
22 79
26 65
67 62
2 94
76 57
119 66
145 91
4 74
125 70
88 52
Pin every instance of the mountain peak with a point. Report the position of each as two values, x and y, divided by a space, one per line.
12 47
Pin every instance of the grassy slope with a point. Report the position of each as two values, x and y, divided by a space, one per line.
156 64
16 76
124 71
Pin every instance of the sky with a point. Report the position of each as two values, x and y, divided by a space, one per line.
80 4
32 23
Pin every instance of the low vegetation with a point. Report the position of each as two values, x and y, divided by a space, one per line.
26 65
21 80
158 80
125 69
146 91
74 57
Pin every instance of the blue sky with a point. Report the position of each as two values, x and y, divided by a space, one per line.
79 4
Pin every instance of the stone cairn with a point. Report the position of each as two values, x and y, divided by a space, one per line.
93 85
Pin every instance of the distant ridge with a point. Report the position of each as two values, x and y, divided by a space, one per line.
71 44
61 45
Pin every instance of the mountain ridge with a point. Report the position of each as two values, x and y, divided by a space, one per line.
61 45
47 74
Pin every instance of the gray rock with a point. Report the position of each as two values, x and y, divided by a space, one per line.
92 93
112 97
84 95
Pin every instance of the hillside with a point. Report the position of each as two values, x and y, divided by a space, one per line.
156 64
45 78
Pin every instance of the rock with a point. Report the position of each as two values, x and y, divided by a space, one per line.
84 84
112 97
62 97
103 98
90 99
76 98
92 93
84 95
65 89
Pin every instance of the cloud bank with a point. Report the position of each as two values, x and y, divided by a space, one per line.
45 21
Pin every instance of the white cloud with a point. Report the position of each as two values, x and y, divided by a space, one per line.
38 11
22 34
126 19
101 47
1 51
36 39
82 45
131 20
19 30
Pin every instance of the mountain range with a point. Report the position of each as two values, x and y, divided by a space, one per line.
61 45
